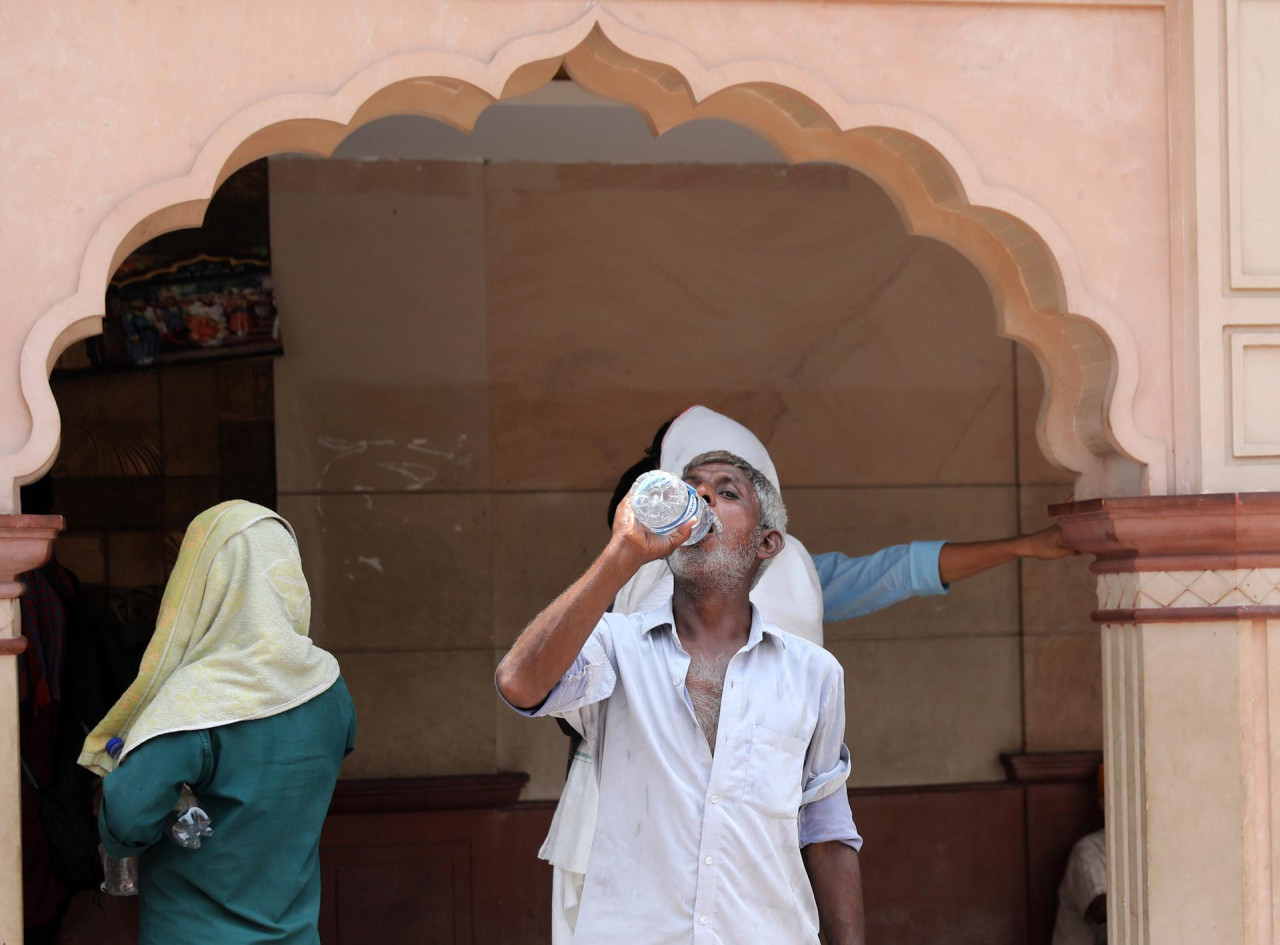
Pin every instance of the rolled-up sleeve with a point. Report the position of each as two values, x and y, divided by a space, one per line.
853 587
829 819
138 795
590 679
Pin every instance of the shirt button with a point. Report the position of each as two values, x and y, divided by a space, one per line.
676 680
702 920
715 798
708 861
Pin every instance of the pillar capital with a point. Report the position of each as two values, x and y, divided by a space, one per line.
1180 558
26 542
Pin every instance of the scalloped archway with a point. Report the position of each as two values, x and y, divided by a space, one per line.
1085 351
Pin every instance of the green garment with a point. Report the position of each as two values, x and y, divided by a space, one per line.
266 785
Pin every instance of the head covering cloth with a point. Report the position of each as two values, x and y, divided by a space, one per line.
231 638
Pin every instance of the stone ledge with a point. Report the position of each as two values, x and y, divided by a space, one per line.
1184 614
26 542
450 792
1037 767
1227 531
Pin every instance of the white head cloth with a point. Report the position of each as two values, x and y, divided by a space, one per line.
789 594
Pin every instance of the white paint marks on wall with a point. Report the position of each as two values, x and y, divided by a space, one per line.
345 449
419 474
375 563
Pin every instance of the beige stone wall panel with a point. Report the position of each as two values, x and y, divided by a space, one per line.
861 521
379 270
933 711
1062 685
397 572
748 305
542 544
434 711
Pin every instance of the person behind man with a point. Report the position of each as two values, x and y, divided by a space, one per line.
718 730
235 701
802 591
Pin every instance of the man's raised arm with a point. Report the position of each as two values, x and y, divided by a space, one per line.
552 641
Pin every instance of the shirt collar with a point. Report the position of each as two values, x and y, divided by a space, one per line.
664 617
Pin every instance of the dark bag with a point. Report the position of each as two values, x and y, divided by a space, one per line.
101 661
72 837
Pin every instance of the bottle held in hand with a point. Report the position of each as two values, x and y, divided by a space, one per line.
187 824
662 502
119 877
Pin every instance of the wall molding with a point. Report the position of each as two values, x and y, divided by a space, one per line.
1041 767
1184 614
1243 275
1262 406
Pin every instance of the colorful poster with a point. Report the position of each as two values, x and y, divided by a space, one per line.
207 306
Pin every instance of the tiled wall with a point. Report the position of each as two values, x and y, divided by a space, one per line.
143 452
475 352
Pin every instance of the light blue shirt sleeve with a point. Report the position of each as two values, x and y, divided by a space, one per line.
852 587
591 678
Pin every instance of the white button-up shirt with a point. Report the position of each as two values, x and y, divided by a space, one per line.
691 847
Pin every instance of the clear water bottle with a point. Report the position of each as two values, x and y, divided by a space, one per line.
187 824
663 502
119 877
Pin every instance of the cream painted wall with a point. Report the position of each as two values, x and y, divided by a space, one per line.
1234 353
474 354
1019 99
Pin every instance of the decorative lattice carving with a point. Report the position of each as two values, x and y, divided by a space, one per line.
1240 587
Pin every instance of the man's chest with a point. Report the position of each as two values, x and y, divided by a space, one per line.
747 723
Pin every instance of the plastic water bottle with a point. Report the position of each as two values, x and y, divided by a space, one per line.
187 824
119 877
663 502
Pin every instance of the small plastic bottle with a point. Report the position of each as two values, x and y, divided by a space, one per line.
119 877
187 824
663 502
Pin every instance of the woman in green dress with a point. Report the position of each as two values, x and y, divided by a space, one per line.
235 701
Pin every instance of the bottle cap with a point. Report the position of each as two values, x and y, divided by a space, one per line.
115 746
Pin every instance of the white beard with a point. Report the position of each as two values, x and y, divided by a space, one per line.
721 570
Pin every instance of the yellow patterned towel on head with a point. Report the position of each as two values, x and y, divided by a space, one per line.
231 638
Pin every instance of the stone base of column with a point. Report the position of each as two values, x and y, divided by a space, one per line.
1189 602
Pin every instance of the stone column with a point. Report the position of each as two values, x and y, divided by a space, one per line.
26 542
1189 604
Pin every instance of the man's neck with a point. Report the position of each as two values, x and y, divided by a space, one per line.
716 619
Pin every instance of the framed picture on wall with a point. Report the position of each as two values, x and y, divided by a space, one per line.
207 306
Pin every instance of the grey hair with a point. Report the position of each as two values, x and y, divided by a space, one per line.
773 514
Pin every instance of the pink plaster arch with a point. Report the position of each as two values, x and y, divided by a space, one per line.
1085 350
